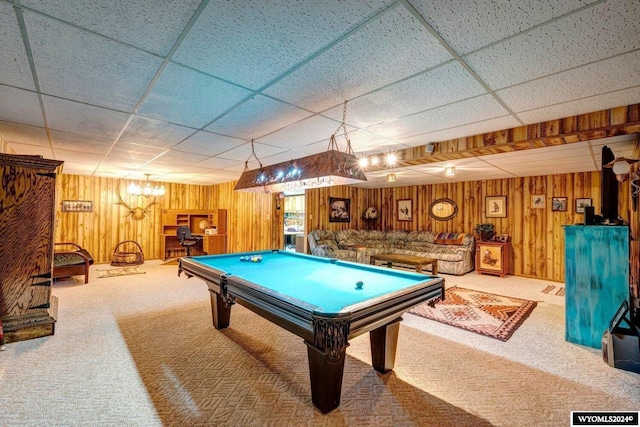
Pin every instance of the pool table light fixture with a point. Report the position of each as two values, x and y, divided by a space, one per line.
325 169
332 167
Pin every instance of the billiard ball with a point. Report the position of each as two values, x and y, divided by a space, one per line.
359 284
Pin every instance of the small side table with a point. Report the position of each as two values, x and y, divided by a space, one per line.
492 258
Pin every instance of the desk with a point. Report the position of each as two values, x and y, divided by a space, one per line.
317 299
417 261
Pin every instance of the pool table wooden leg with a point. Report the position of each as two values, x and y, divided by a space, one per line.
384 342
326 368
220 312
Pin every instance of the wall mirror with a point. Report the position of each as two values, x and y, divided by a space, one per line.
443 209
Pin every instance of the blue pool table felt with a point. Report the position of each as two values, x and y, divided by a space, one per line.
321 282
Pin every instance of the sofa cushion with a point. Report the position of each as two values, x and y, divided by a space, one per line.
70 258
396 239
349 237
326 237
375 239
449 238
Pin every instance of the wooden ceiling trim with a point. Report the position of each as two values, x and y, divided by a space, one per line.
623 120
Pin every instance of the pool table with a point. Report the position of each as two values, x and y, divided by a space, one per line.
324 301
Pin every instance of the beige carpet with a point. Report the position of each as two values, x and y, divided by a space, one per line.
257 372
141 351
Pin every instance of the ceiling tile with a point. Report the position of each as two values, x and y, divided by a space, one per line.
392 47
153 27
209 144
125 166
63 141
435 88
403 89
135 152
473 110
189 98
243 152
79 65
31 135
543 154
14 64
154 132
490 125
114 170
80 157
486 22
600 77
269 38
180 158
74 168
83 119
31 150
307 131
363 140
189 170
216 177
582 106
561 45
259 116
220 163
20 106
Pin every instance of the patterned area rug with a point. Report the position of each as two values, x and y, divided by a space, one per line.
115 272
551 290
495 316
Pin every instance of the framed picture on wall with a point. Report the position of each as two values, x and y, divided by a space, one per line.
495 206
559 204
339 210
405 210
537 201
77 206
581 203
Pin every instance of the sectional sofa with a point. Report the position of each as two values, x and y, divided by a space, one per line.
455 252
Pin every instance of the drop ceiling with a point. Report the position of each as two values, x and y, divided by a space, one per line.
178 88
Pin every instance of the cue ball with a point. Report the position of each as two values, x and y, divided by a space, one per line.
359 284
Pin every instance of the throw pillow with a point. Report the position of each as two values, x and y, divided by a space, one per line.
449 238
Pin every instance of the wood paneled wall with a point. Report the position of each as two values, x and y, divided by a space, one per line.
256 223
537 237
110 223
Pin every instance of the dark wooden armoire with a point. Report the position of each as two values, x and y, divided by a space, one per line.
27 220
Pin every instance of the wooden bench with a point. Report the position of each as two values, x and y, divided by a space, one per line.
74 262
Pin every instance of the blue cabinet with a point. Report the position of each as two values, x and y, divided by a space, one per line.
596 279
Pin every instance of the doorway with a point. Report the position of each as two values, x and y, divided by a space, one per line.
294 223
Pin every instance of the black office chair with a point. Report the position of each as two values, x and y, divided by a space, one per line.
185 238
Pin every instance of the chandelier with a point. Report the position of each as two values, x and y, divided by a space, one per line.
146 190
329 168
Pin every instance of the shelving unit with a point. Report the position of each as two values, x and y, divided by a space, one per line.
197 221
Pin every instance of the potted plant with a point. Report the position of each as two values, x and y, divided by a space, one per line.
486 231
